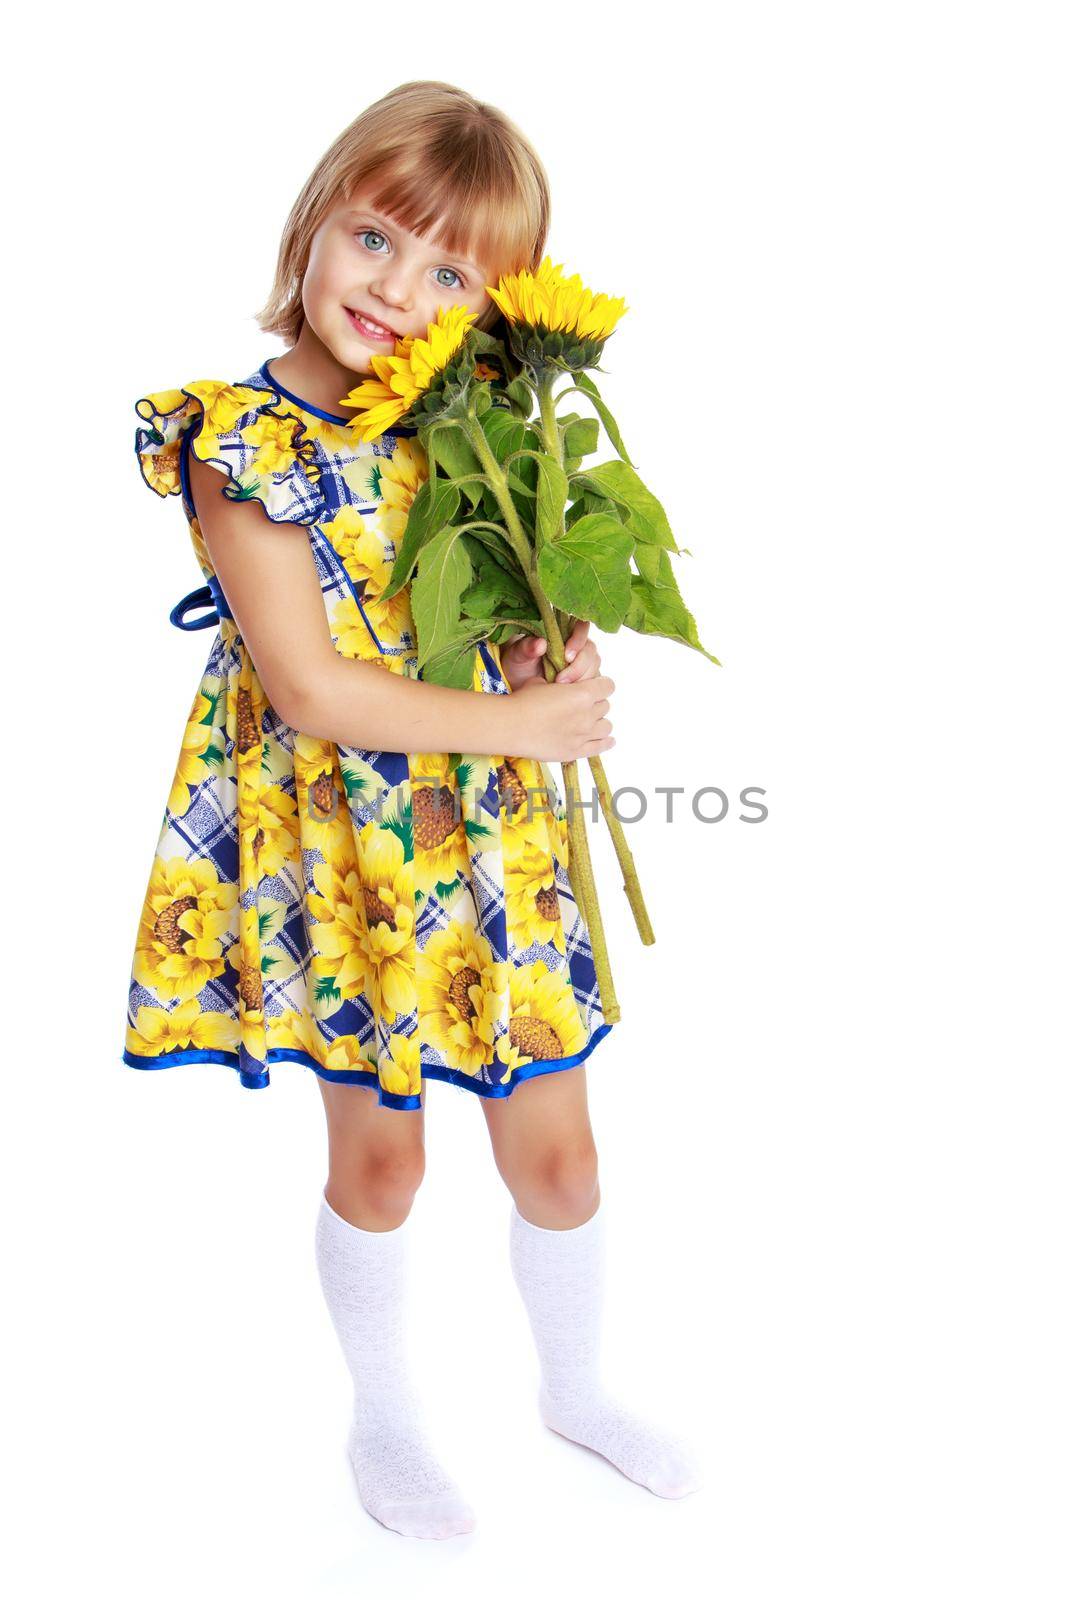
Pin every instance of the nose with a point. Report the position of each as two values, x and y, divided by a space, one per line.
393 287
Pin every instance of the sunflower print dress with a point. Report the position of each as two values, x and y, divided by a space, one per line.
368 914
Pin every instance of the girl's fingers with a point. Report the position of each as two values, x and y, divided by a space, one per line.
586 664
577 638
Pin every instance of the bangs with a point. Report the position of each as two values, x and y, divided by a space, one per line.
467 209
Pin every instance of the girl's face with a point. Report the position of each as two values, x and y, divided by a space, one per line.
369 282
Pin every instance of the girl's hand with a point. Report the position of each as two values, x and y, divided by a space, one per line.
521 658
562 724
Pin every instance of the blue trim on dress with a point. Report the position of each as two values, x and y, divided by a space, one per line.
369 1079
317 411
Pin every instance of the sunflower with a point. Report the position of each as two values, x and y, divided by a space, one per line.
532 902
546 1024
194 763
364 933
345 1055
556 321
258 954
186 917
268 834
320 790
357 542
295 1030
400 1071
404 378
156 1032
400 477
245 959
463 992
440 841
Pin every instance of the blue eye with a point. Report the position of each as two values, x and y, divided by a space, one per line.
373 233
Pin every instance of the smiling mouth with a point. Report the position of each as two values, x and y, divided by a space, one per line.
368 329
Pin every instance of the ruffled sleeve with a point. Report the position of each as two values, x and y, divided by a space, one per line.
264 454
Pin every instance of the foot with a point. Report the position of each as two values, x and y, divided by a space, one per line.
402 1484
649 1455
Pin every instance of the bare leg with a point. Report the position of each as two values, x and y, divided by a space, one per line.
544 1150
377 1156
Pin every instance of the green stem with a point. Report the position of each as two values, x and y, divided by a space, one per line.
546 378
579 863
630 881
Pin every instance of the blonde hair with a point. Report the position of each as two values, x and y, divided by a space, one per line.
428 153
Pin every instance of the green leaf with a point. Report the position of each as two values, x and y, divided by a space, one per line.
660 597
504 632
619 482
522 467
584 382
518 392
428 514
586 502
490 537
453 450
506 434
579 435
658 608
453 664
552 492
586 571
654 565
497 593
487 347
444 572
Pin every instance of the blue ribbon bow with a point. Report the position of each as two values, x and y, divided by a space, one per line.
209 595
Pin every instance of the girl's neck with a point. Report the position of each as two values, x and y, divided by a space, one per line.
312 371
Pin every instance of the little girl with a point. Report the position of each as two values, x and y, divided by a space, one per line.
324 891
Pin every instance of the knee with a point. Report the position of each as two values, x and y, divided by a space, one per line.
563 1181
392 1175
381 1183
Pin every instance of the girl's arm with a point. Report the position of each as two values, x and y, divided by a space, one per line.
269 577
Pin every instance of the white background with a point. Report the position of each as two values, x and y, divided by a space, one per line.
831 1119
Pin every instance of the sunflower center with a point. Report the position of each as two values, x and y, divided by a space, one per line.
534 1037
322 797
166 927
512 789
459 991
434 811
547 902
377 910
250 987
247 727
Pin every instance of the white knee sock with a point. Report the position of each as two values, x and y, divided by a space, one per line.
400 1481
560 1274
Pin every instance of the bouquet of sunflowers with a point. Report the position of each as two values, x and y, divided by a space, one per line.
512 532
